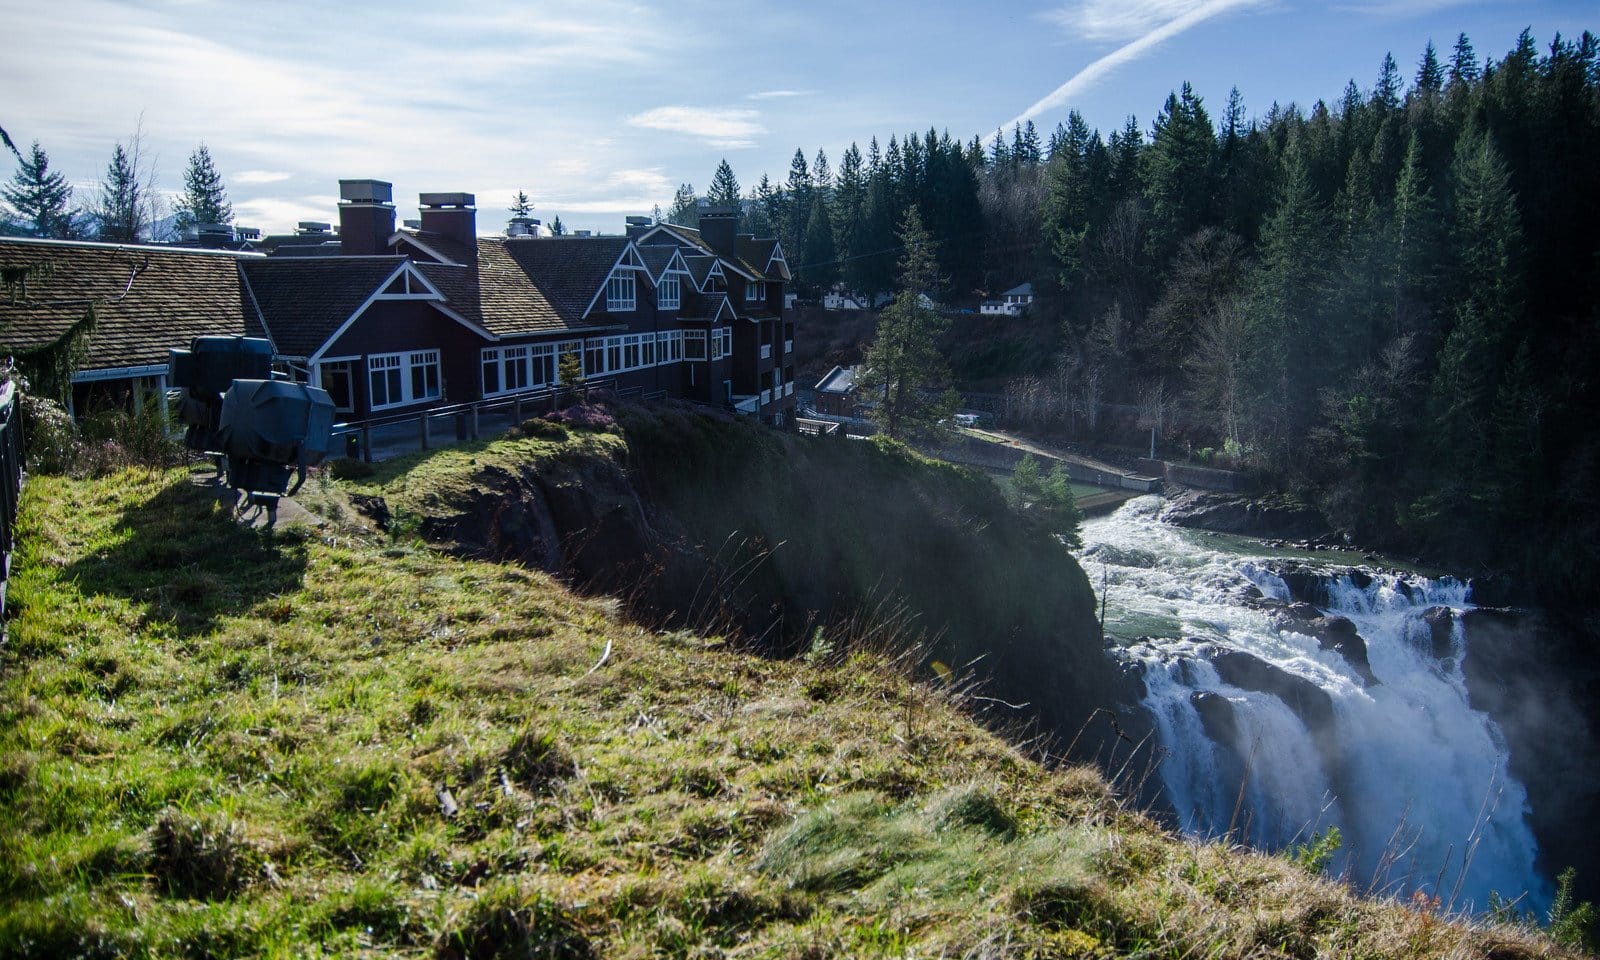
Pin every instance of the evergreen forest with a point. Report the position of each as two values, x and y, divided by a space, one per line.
1385 303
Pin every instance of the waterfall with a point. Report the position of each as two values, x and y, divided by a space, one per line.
1291 694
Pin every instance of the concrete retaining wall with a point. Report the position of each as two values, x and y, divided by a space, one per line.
996 456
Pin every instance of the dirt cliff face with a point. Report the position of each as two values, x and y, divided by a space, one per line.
728 525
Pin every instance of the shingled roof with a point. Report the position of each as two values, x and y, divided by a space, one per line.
757 255
699 268
303 300
147 300
566 271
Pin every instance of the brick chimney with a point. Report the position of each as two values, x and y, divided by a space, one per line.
366 217
718 227
451 215
638 227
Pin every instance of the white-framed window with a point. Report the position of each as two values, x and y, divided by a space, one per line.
509 369
766 351
755 291
491 371
613 354
647 345
338 378
694 344
516 368
385 381
631 352
594 357
670 293
620 292
669 346
721 342
394 379
426 383
542 361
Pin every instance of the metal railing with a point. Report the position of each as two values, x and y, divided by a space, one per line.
378 438
10 478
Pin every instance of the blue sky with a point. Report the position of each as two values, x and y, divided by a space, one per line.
599 108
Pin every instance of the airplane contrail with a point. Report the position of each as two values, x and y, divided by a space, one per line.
1129 51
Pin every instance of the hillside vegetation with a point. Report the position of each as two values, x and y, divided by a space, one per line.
722 524
220 742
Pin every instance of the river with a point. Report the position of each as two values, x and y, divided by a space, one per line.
1271 736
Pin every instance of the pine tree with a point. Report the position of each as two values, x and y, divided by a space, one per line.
521 206
40 197
1180 170
1386 95
1430 75
820 252
685 210
121 201
1415 230
822 176
204 198
724 190
850 199
1287 306
1464 62
557 228
903 360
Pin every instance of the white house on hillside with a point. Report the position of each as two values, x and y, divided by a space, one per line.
1012 303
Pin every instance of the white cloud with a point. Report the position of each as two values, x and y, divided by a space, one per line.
1116 18
1401 8
274 214
260 176
778 94
1119 19
717 126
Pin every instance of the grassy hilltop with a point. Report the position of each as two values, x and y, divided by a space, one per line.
217 742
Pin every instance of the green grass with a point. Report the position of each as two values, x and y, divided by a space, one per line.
217 742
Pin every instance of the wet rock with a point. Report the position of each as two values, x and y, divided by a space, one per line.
1332 633
1360 578
1441 625
1272 518
1309 702
1216 715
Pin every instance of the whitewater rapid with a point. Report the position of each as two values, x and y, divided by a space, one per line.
1417 782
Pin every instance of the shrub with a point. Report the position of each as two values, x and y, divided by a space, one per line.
584 416
145 438
1026 478
53 443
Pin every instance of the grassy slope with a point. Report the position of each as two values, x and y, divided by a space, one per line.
220 743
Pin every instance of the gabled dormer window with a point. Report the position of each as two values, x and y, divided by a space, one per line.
620 293
755 291
670 293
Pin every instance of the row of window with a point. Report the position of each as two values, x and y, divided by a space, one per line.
622 292
398 379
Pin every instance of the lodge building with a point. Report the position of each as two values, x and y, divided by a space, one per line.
394 321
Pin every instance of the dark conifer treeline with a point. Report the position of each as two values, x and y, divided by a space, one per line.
1388 302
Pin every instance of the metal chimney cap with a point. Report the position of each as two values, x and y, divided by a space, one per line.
314 226
366 191
412 224
447 199
637 221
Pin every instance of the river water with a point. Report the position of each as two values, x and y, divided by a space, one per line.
1416 780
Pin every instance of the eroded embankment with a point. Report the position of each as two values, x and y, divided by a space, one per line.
719 523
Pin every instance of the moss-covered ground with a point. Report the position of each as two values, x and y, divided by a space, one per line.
221 742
